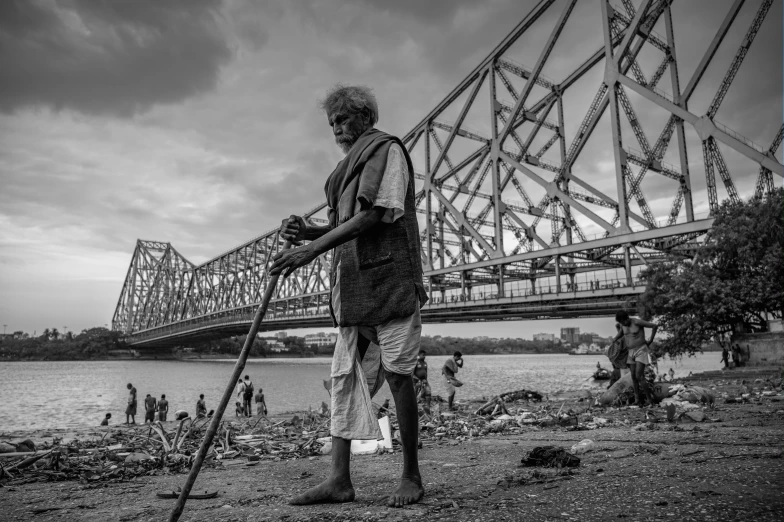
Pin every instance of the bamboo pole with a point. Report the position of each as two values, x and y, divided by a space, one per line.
217 416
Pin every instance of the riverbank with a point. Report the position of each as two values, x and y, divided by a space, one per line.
727 467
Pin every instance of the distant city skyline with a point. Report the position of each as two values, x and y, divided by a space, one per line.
604 326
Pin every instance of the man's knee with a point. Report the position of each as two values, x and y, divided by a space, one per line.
398 380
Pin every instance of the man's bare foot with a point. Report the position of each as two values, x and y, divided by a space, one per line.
329 491
410 491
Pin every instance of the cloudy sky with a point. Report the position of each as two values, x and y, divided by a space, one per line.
196 122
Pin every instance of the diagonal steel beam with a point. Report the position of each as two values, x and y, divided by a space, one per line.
548 48
463 112
712 48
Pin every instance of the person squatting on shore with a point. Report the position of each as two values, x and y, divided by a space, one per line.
421 385
632 329
449 371
377 290
201 407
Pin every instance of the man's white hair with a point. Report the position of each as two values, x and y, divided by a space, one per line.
354 98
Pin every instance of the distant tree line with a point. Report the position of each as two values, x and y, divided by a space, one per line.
97 343
94 343
438 345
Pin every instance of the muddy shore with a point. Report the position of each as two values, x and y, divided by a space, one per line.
729 467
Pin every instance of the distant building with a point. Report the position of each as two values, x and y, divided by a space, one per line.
281 335
570 335
321 339
275 346
544 337
481 338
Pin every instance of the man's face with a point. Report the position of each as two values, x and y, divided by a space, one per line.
421 357
347 127
626 322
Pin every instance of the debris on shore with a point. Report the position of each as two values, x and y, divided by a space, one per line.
122 453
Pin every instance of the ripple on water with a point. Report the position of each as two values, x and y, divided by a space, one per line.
77 394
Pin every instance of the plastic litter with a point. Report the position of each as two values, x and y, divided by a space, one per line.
584 446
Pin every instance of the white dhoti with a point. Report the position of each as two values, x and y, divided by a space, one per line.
394 346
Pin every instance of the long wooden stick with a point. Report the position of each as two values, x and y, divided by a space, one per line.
216 418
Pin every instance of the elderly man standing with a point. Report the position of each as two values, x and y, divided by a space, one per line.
377 290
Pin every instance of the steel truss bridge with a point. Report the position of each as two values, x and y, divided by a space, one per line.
516 219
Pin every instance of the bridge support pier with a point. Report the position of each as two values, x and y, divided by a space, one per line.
627 263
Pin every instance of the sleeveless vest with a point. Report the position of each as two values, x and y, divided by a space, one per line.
381 270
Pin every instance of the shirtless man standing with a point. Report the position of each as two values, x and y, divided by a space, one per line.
632 329
421 385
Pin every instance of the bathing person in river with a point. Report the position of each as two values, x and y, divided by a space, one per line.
150 405
377 290
163 408
130 410
449 371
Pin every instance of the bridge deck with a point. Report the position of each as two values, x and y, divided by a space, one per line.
581 303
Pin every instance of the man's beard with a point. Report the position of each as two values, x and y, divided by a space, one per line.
347 140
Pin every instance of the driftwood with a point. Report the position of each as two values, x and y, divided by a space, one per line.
29 461
499 400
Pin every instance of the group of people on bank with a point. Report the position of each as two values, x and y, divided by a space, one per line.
158 409
738 357
152 407
449 373
244 397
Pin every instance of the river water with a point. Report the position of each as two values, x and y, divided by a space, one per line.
77 394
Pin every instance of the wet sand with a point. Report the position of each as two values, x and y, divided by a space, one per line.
728 468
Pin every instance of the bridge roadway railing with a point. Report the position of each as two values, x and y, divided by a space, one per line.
580 300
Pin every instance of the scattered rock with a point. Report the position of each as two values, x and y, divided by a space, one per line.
695 415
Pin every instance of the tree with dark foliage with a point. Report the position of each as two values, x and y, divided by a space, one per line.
734 283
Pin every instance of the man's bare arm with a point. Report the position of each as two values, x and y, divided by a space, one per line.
289 260
653 326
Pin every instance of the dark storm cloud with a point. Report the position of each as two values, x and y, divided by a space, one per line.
116 58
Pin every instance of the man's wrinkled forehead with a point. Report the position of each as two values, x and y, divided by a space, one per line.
336 112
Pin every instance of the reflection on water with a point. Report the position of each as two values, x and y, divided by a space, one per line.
46 394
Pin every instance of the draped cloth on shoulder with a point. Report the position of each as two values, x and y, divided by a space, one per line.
358 176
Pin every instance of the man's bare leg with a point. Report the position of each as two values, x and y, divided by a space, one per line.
338 487
645 388
638 400
451 401
410 489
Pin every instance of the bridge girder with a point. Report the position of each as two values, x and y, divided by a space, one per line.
505 206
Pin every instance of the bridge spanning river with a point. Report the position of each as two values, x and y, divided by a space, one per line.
516 219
